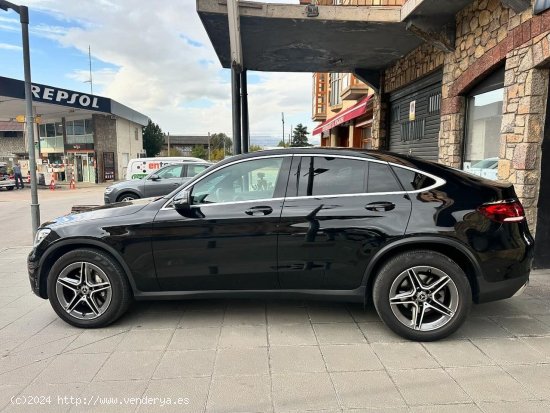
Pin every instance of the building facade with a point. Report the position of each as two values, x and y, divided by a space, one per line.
77 136
343 104
479 103
184 144
490 94
341 101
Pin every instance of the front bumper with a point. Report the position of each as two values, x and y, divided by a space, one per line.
33 267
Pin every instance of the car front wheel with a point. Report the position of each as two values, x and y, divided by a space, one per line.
126 197
422 295
87 288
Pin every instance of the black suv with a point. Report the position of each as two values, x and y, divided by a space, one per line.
419 239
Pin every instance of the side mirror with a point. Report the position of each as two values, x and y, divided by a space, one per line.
154 177
182 203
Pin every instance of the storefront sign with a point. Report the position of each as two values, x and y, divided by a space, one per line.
41 93
85 147
541 5
108 166
68 98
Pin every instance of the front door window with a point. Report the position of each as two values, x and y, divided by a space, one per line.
244 181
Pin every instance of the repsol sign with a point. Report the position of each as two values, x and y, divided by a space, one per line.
41 93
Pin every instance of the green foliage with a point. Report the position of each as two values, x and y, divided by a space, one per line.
282 144
299 136
153 139
198 151
255 148
217 141
174 152
216 155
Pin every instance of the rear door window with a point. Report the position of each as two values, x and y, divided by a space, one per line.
318 175
381 179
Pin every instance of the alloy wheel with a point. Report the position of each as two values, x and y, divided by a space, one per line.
424 298
83 290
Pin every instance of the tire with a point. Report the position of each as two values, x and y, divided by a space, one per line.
67 289
126 196
10 188
433 320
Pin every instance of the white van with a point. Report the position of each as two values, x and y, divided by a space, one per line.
139 168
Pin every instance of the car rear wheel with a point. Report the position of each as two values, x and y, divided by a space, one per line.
87 288
422 295
126 197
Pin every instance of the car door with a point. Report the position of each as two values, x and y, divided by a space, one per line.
230 242
164 181
337 213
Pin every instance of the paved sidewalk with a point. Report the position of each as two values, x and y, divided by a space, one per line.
268 356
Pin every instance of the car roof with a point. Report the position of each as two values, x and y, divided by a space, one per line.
325 151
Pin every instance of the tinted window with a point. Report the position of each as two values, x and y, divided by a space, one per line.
411 180
244 181
330 176
173 171
381 179
193 170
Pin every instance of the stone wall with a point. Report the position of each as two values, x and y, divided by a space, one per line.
105 140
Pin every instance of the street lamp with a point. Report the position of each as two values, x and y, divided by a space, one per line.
23 12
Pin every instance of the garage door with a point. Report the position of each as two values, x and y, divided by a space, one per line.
415 118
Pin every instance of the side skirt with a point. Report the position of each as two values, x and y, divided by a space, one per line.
357 296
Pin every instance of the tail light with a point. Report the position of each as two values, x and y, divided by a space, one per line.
504 211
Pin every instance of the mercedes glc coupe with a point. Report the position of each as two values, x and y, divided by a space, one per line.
420 240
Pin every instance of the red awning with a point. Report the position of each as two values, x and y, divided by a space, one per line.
360 108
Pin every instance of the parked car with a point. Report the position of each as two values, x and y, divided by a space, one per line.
157 183
6 181
140 167
421 240
487 168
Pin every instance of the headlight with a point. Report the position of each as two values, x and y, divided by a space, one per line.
109 189
40 235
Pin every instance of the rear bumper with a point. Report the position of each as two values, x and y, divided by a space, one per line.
493 291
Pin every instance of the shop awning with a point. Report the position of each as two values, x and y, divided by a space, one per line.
360 108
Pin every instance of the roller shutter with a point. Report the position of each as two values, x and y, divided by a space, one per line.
420 136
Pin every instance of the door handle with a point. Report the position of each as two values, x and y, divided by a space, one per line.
380 206
259 210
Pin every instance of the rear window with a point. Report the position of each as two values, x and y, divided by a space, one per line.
412 180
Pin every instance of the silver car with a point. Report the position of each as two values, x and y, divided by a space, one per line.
157 183
5 180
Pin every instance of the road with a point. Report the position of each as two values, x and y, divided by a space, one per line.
257 355
15 210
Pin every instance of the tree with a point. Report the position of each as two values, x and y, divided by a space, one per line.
153 138
216 154
255 148
221 141
299 136
198 151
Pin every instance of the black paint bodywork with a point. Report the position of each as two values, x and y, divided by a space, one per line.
328 247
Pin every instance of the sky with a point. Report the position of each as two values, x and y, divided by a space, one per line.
154 57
